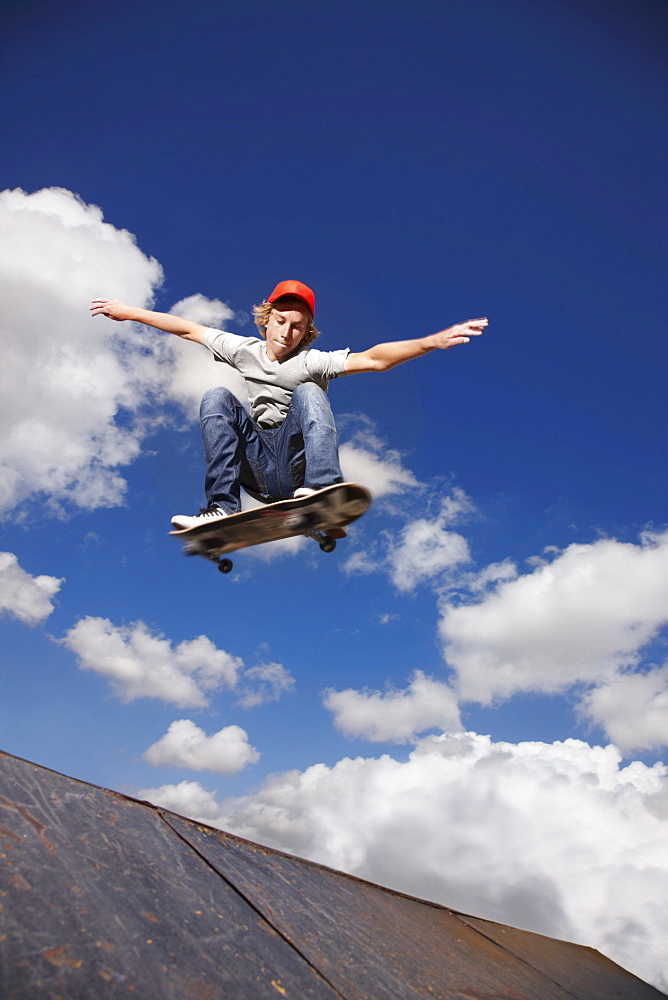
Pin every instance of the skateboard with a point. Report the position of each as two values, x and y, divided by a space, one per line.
321 516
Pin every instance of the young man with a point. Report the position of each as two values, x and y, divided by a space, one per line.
287 446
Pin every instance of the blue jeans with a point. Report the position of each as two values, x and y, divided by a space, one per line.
271 463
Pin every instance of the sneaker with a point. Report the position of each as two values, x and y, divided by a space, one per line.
207 515
303 491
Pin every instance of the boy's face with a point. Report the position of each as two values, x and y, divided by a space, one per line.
286 329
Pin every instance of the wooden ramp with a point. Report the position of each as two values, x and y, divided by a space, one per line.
106 896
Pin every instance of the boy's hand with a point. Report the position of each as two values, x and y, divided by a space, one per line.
112 308
461 333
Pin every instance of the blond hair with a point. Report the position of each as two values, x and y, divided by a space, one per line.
262 313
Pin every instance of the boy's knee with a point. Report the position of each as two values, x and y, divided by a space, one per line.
311 396
217 400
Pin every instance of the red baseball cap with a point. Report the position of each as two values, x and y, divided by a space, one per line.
297 290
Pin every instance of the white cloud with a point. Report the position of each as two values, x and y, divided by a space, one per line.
494 573
366 459
632 709
456 508
64 376
140 664
395 715
424 550
264 683
78 395
199 309
363 561
188 798
386 618
581 618
555 838
186 745
26 597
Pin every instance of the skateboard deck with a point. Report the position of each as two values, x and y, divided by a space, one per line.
321 516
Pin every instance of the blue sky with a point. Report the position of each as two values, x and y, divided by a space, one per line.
495 627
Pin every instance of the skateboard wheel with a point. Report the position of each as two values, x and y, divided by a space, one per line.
225 566
328 545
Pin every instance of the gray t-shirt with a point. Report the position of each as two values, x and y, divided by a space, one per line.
270 384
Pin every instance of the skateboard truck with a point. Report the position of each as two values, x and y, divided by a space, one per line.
326 542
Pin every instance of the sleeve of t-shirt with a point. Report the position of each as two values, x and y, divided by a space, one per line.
326 364
222 344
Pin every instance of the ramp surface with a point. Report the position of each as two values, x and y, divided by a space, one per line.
108 896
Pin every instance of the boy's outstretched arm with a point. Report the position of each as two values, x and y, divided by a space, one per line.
382 357
117 310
